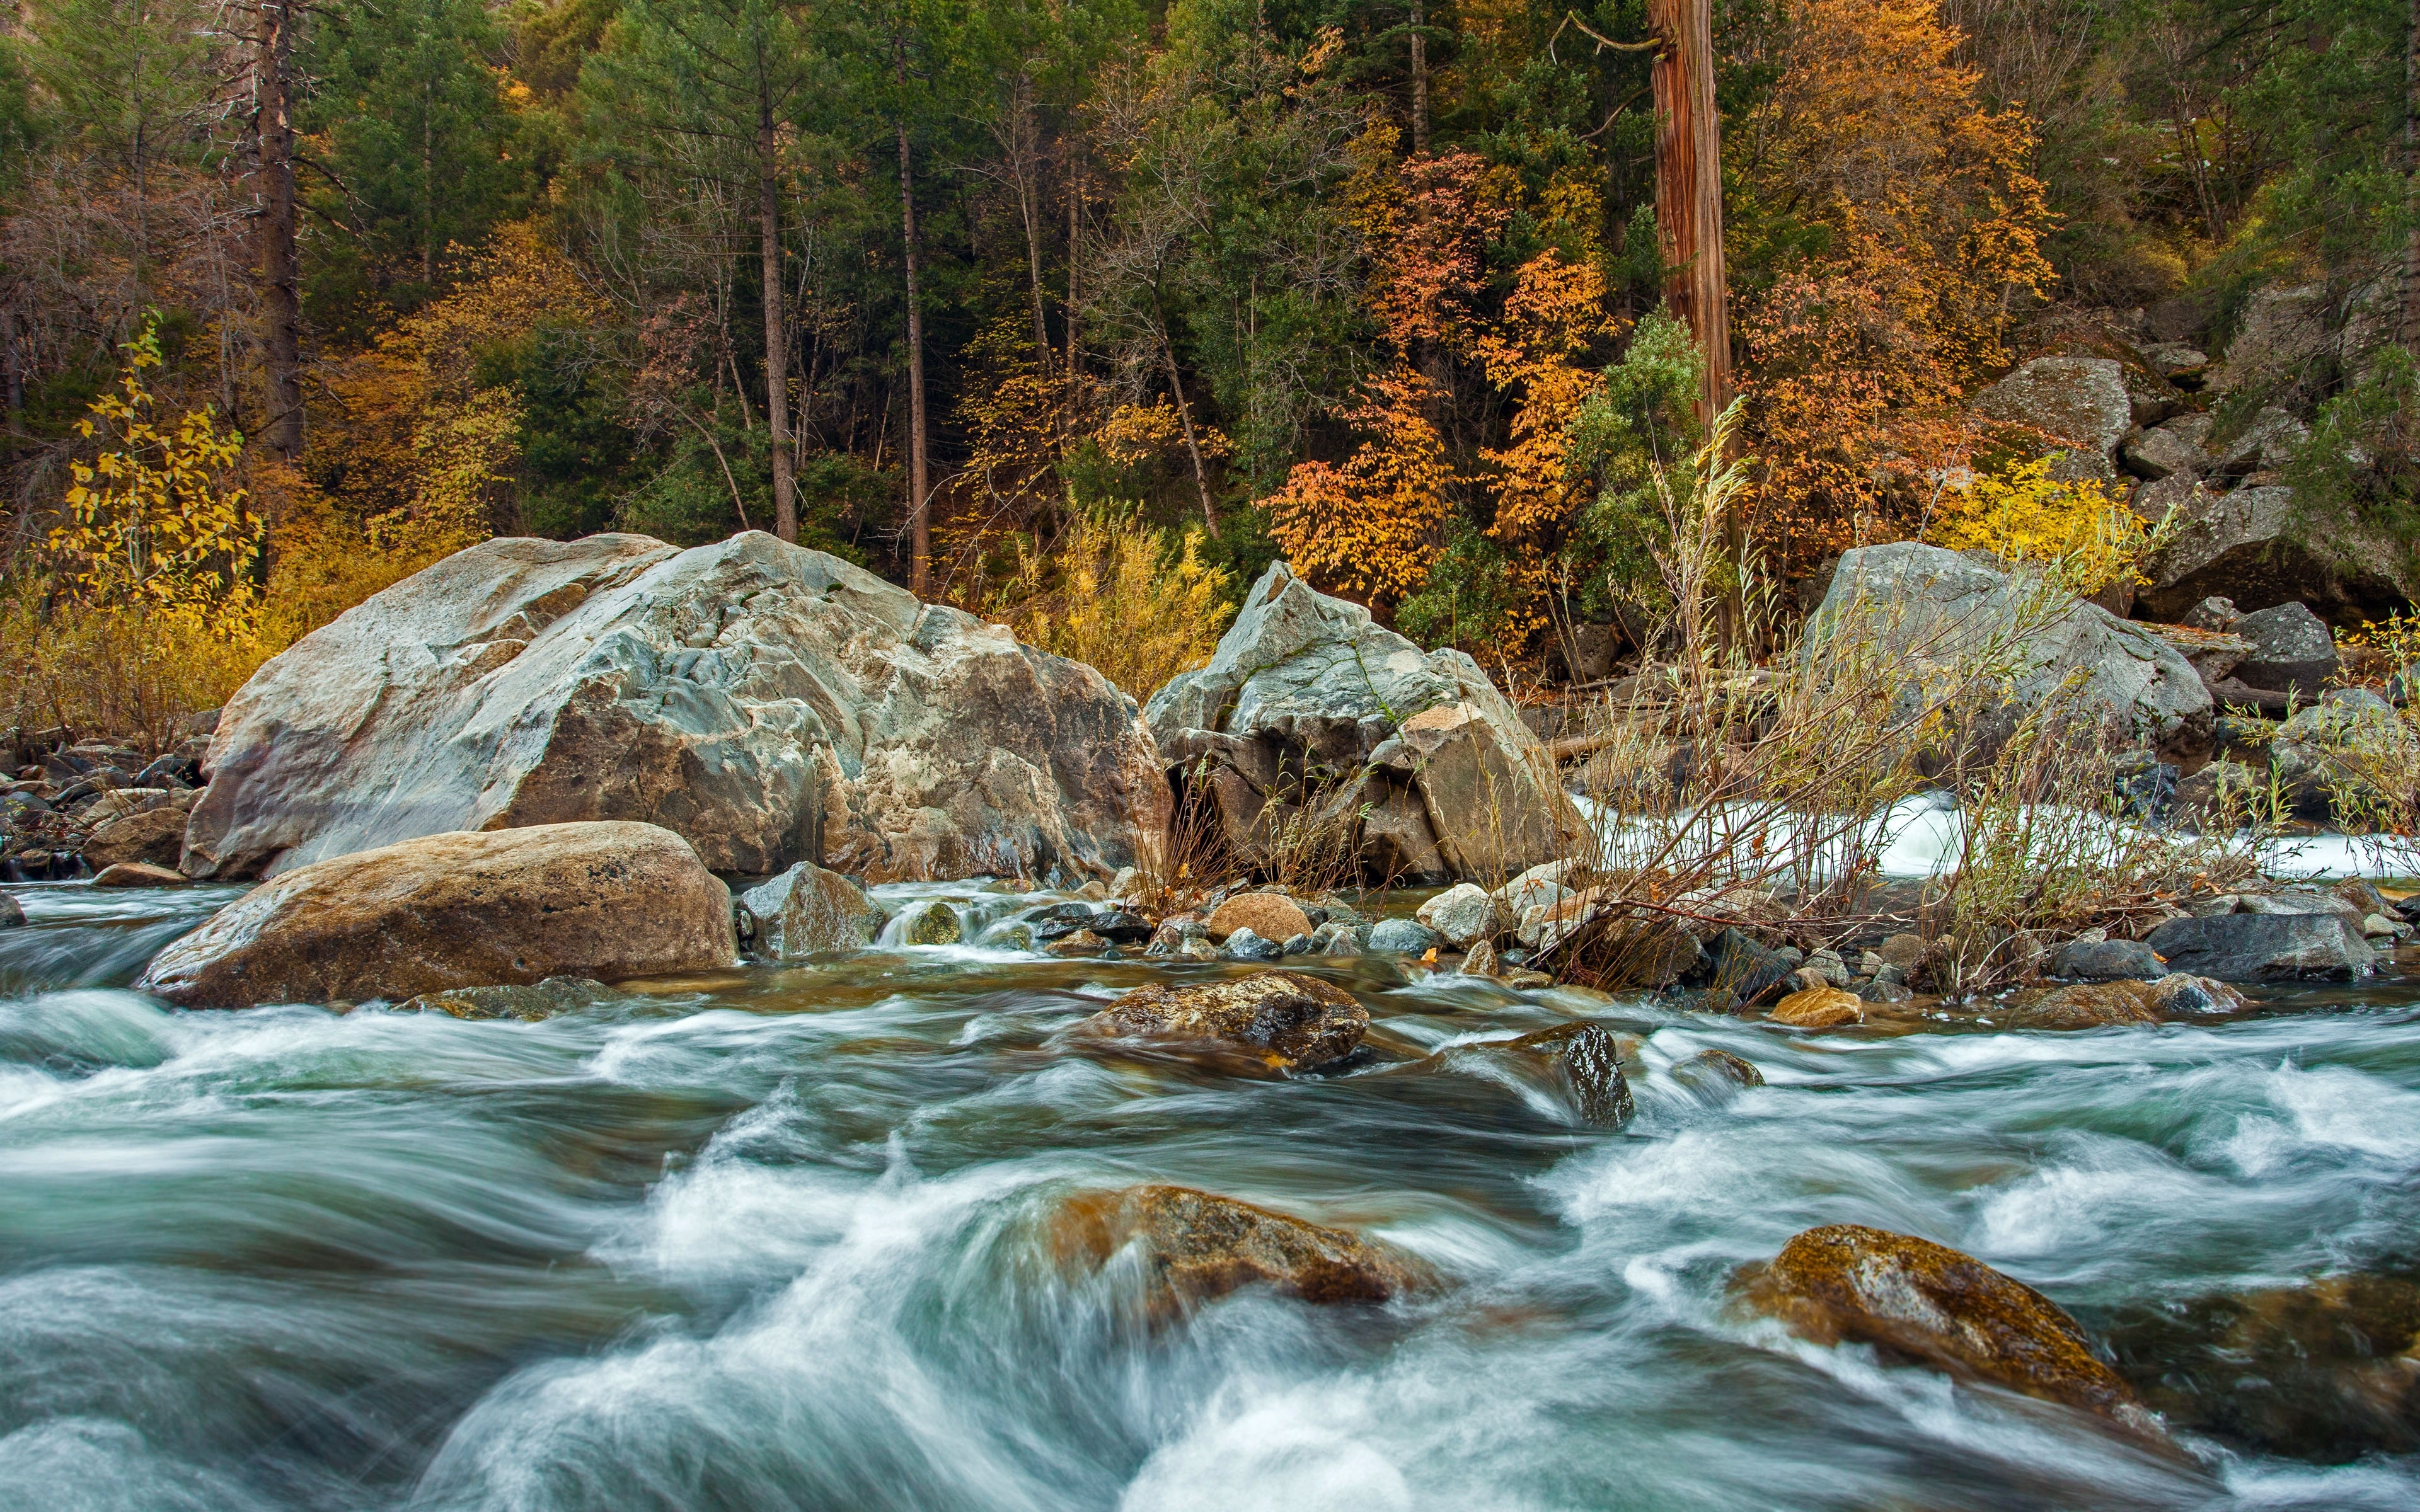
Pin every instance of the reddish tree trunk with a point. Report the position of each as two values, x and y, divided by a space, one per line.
1689 185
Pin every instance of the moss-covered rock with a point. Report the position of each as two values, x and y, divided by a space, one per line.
1845 1283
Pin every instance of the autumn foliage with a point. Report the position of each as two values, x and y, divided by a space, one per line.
1922 230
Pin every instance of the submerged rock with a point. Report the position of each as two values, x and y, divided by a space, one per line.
541 1000
2102 1005
2328 1371
606 899
1717 1072
1196 1248
1845 1283
809 911
768 704
1588 1058
930 922
1285 1018
10 914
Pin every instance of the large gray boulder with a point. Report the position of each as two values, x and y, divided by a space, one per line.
2284 331
807 911
2292 649
2078 400
2255 546
768 704
2266 947
1310 710
1932 606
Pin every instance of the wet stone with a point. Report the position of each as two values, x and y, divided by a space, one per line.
538 1000
2328 1371
1846 1282
1196 1246
1245 945
1717 1073
1283 1018
1819 1008
932 922
1588 1057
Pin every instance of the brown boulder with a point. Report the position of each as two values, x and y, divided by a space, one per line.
1819 1008
1717 1071
608 900
153 836
2095 1005
1271 916
1284 1018
1198 1247
138 874
1848 1283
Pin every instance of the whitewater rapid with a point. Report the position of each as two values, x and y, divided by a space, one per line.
771 1239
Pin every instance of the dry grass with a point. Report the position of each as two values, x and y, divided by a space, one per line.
1729 793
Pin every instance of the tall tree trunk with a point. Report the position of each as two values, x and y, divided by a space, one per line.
920 503
1689 186
1075 261
1419 80
12 376
1027 162
2410 333
429 187
1185 418
777 334
273 189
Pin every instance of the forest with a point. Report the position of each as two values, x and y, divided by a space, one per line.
1034 302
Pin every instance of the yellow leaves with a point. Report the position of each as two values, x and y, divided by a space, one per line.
2084 538
1119 597
164 528
1134 434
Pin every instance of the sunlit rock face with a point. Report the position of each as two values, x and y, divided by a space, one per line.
768 704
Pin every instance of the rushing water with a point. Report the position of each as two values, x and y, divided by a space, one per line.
768 1240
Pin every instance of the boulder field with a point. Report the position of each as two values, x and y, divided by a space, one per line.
768 704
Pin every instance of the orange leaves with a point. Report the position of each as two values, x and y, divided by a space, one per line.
1369 528
1555 309
1428 221
1858 354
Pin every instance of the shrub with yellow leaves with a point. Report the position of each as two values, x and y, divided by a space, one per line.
2073 529
1121 596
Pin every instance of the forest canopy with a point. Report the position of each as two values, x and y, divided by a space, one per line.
1375 285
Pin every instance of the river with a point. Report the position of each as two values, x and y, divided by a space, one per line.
766 1239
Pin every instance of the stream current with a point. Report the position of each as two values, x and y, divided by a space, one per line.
768 1240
